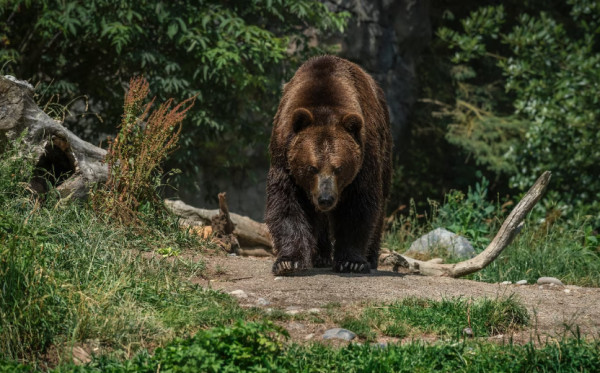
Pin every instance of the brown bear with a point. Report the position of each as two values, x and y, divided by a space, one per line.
330 169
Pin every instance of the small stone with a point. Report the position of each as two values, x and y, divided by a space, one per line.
278 278
314 310
309 336
506 282
240 294
549 280
339 333
567 291
262 302
468 332
232 254
521 282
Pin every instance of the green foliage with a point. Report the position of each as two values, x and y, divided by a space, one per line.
201 354
471 216
529 83
448 317
232 55
61 267
567 250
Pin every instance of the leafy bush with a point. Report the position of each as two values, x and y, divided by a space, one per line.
198 354
232 55
134 157
527 95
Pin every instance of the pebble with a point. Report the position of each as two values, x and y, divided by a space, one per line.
278 278
239 294
521 282
550 281
506 282
232 254
262 302
314 310
468 332
567 291
309 336
339 333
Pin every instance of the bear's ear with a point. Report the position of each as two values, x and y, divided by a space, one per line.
353 123
301 118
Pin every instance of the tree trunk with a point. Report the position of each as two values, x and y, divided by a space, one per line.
250 233
62 159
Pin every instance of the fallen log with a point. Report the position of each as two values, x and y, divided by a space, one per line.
509 229
62 159
250 233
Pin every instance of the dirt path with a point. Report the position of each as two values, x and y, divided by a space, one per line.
551 308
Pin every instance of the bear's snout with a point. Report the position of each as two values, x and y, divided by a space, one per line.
326 196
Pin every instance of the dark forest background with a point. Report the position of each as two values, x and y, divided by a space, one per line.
480 92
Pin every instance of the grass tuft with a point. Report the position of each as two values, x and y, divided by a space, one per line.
448 317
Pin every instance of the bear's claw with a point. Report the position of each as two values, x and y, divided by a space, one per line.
286 266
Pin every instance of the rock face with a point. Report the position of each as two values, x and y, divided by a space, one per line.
442 240
386 38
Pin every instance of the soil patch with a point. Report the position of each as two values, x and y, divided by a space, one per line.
554 310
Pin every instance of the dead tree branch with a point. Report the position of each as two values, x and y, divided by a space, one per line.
510 228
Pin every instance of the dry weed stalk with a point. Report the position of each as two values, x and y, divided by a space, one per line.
134 157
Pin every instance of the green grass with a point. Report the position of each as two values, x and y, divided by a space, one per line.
568 249
257 347
447 317
562 251
69 276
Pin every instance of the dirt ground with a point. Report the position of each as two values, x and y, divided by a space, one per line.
553 309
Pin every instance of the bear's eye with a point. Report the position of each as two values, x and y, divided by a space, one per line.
337 170
313 170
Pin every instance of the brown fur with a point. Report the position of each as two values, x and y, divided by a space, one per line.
330 168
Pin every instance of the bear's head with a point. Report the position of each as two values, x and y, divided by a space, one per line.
325 153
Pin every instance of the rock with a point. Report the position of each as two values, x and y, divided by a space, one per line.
521 282
567 291
506 282
444 240
278 278
468 332
309 336
339 333
314 310
262 302
240 294
549 281
232 254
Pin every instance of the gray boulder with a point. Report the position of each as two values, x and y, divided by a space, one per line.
441 240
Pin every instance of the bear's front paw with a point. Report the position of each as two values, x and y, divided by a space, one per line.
286 266
347 266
